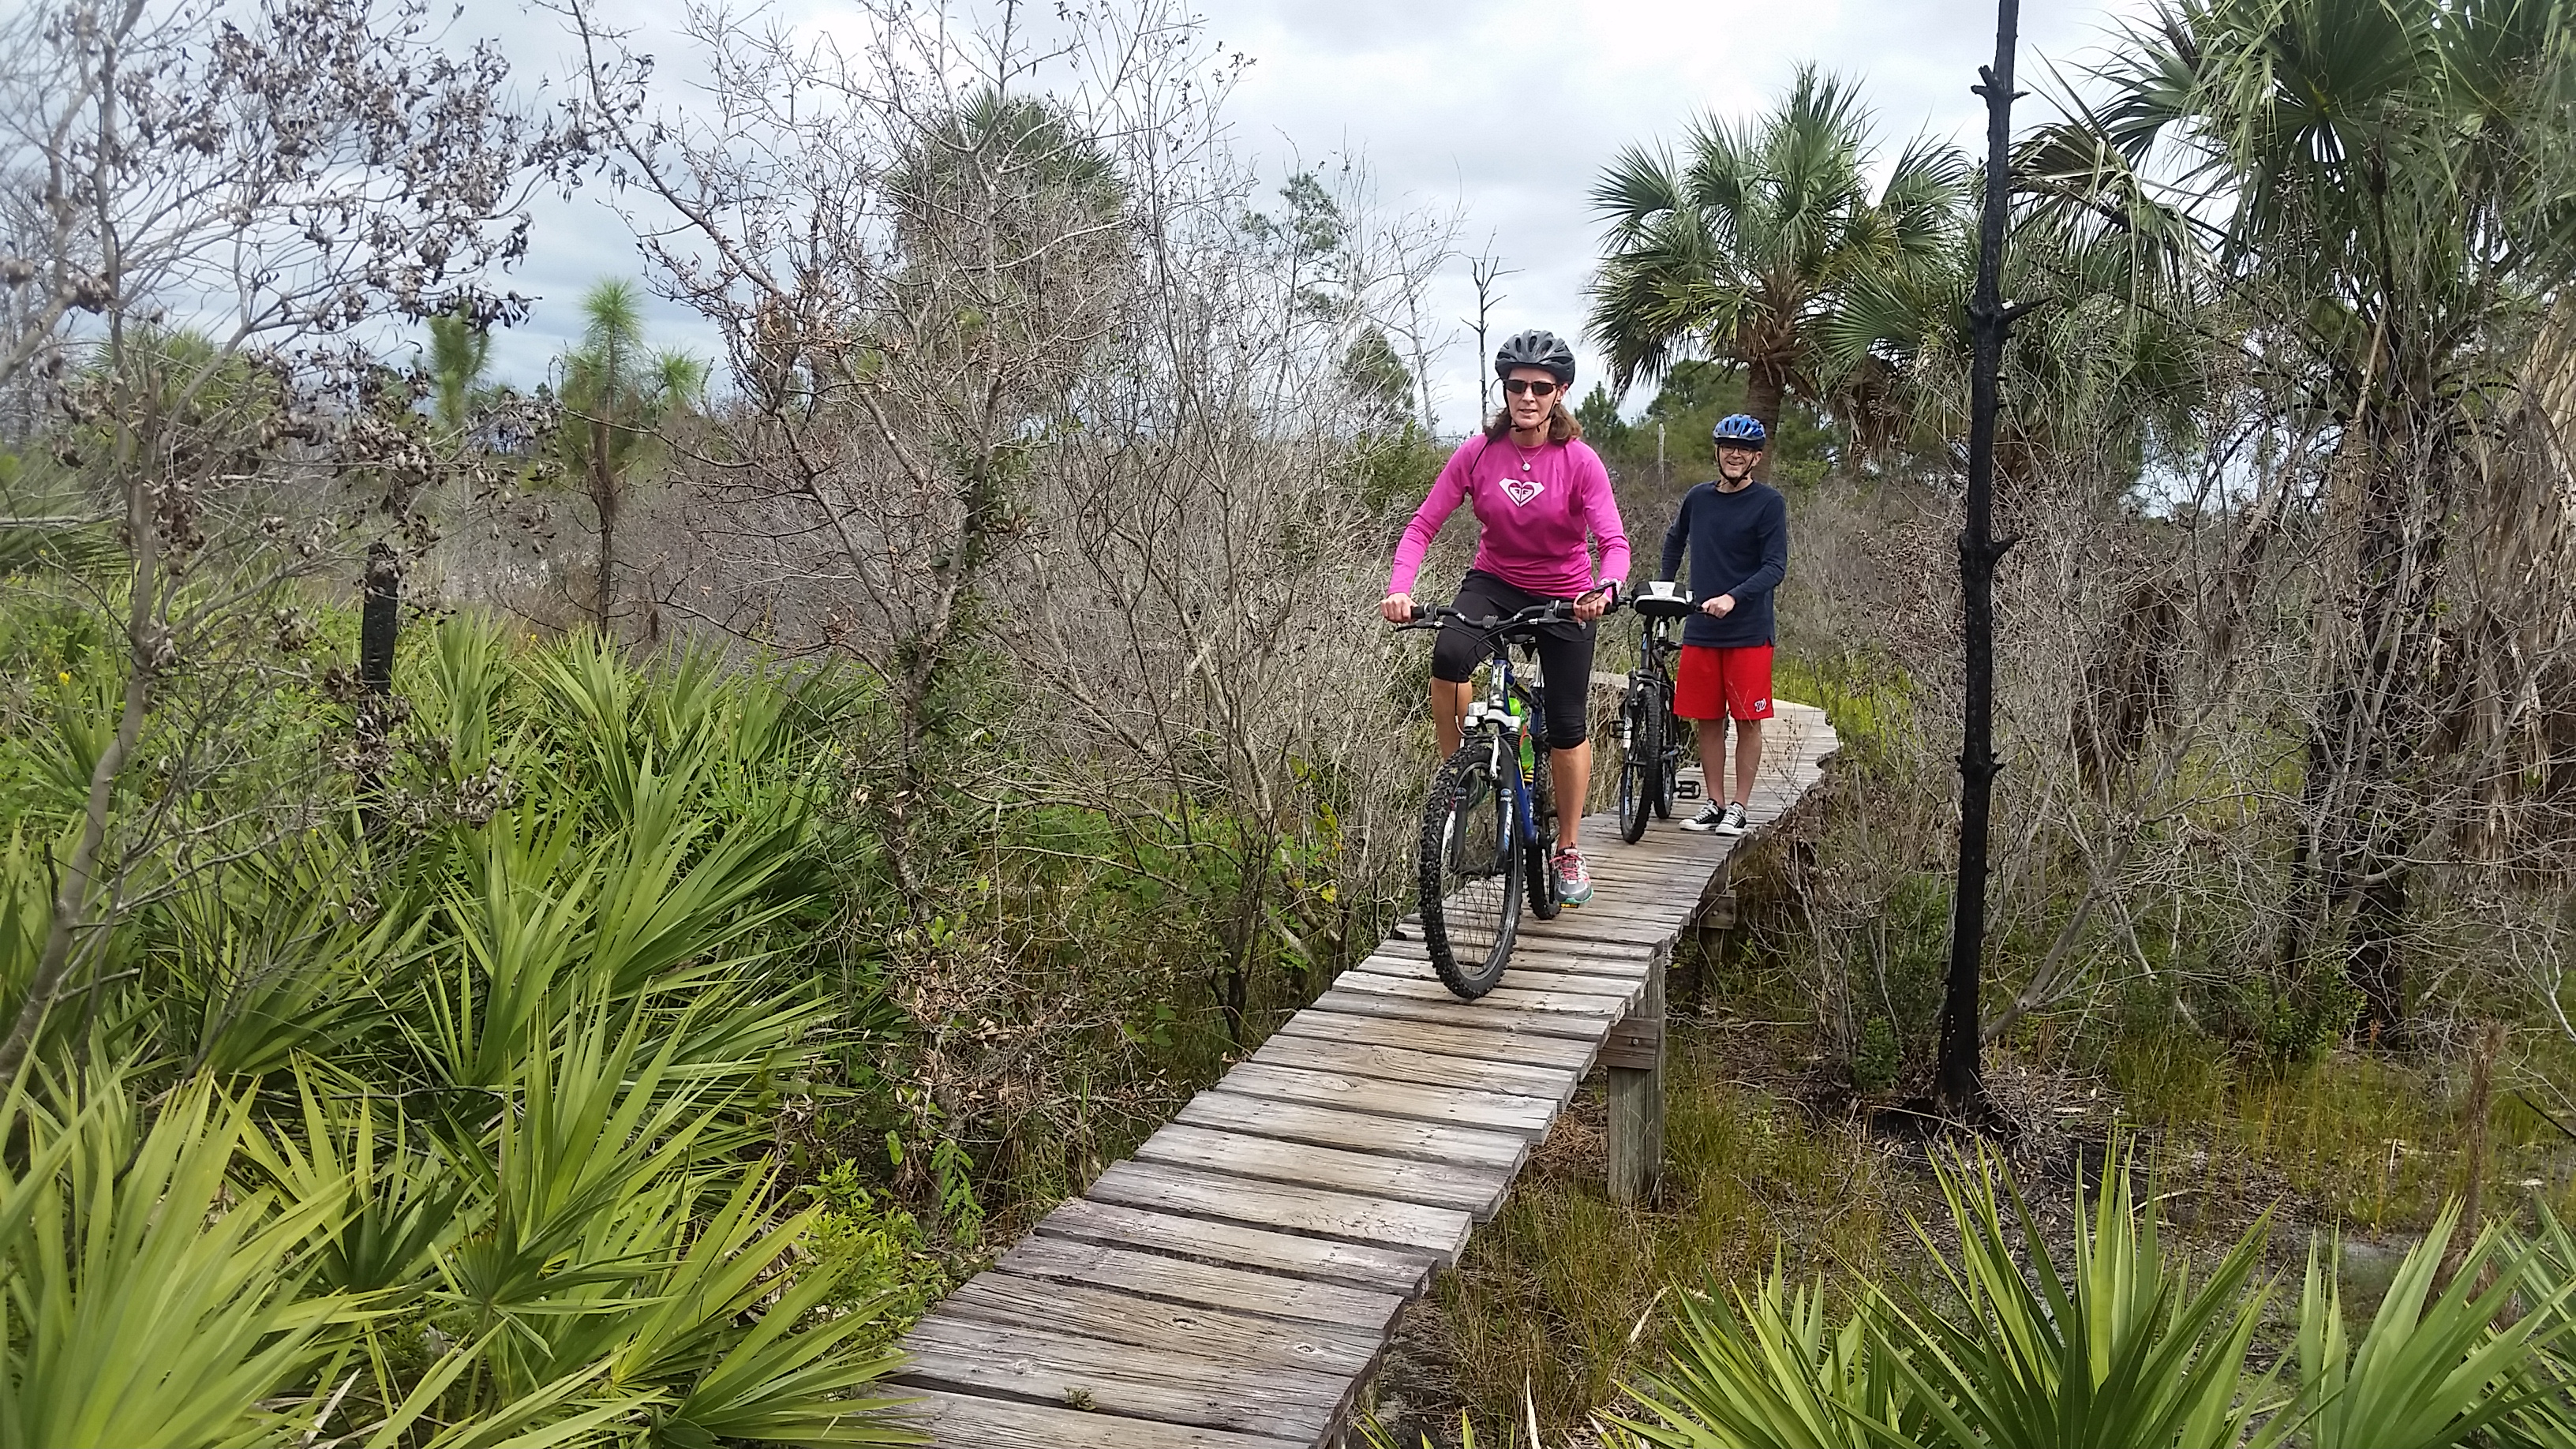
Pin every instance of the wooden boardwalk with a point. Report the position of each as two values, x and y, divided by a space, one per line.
1234 1283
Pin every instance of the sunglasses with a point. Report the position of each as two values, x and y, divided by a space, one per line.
1516 386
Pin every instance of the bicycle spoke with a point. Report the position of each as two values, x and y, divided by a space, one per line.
1472 870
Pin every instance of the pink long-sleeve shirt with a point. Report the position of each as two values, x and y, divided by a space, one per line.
1540 510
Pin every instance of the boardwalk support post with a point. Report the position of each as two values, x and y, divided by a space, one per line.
1634 1055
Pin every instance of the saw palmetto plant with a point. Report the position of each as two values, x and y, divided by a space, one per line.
2113 1340
447 1134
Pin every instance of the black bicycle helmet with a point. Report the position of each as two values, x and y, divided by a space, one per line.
1536 348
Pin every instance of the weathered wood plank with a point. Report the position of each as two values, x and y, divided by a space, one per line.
1357 1131
1535 950
1534 974
1520 1116
1176 1388
1588 1004
1476 1191
1576 926
1395 1273
1412 962
964 1421
1186 1192
1482 1014
1459 1041
1404 1064
1646 896
1619 963
1007 1298
1195 1284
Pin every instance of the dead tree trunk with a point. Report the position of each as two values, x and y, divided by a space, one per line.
603 495
1959 1082
379 625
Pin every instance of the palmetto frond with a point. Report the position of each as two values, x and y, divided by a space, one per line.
1741 247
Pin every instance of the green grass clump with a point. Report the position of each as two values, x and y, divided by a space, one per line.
1564 1287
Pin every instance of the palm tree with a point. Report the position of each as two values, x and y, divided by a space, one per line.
617 395
2379 181
1746 248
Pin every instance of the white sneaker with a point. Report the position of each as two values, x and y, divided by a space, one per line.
1730 821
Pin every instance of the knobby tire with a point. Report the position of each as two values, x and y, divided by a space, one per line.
1640 762
1538 871
1471 901
1668 754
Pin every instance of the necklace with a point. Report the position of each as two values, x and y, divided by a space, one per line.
1527 454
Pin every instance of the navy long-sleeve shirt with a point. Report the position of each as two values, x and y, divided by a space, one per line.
1739 545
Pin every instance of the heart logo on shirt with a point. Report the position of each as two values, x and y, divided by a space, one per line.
1522 490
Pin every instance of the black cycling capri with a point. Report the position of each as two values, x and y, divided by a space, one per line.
1564 654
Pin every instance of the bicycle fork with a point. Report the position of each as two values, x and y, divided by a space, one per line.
1504 729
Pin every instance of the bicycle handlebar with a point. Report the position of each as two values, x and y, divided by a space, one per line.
1432 616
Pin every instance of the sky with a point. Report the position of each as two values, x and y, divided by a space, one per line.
1504 110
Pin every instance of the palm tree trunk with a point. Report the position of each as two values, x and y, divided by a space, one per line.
1959 1078
1765 383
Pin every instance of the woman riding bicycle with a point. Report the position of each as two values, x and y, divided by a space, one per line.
1539 493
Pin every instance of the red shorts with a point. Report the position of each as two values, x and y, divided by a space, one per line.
1737 679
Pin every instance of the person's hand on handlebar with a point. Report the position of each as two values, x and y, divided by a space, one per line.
1719 607
1396 608
1593 605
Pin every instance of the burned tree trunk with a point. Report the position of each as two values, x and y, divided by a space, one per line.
1959 1080
379 626
379 620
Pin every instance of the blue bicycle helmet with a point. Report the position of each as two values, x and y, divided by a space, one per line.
1737 428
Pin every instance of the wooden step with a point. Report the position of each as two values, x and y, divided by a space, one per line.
1357 1131
1474 1191
1395 1274
1475 1043
969 1421
1087 1373
1520 1116
1377 1222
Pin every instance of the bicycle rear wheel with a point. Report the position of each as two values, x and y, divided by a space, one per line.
1471 871
1640 761
1538 848
1668 755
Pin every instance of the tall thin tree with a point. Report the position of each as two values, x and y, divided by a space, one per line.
1959 1082
460 349
618 396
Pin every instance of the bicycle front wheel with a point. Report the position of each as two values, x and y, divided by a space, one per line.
1471 871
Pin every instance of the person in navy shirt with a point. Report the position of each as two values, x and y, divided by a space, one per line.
1737 530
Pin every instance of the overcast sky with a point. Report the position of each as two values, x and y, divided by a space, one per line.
1505 108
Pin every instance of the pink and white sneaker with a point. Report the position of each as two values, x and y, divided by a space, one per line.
1573 882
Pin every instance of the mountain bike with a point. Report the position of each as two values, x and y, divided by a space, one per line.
1650 745
1489 821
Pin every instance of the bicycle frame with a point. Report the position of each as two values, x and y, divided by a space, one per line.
1655 650
1492 716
